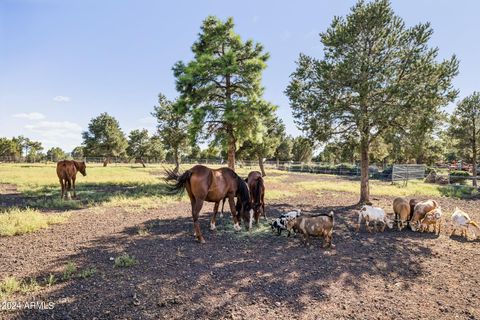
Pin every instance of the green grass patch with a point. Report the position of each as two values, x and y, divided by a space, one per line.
69 271
263 229
50 280
19 221
12 285
125 261
9 286
87 273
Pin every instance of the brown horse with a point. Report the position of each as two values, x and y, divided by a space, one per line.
257 193
213 185
67 173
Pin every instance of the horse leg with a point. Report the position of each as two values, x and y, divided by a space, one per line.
192 202
263 206
196 223
231 202
223 205
73 185
213 220
68 185
62 184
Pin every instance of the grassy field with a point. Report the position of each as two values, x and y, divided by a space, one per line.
30 193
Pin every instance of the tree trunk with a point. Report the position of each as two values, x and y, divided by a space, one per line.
177 160
140 160
474 154
260 163
107 161
231 153
364 187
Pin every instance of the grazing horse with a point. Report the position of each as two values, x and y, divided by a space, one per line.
257 193
213 185
67 173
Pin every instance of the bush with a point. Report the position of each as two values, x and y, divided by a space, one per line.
457 176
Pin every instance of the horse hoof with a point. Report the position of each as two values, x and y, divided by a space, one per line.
202 241
237 227
213 227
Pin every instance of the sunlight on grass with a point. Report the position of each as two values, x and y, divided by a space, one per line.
377 188
275 194
18 221
146 202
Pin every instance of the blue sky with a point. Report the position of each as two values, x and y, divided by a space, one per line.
64 62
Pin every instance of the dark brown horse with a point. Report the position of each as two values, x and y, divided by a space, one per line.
257 193
213 185
67 173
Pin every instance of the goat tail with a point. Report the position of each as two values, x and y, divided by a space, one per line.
332 216
473 223
179 180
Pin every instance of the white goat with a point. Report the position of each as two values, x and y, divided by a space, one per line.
461 221
374 214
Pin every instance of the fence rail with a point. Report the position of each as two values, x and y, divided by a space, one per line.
399 172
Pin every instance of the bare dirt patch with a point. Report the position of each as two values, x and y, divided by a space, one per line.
401 275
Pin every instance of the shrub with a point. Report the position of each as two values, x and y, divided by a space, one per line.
458 176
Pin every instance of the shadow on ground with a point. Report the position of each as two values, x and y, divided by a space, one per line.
88 195
232 274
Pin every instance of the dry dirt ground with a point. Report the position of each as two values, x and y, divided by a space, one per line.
390 275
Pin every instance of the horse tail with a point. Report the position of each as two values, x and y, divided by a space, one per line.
180 180
258 192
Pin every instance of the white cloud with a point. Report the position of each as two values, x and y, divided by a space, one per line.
30 116
61 99
52 127
57 133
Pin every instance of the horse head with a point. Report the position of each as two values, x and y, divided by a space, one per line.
243 202
81 166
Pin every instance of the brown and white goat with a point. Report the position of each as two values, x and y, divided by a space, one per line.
318 225
420 211
432 218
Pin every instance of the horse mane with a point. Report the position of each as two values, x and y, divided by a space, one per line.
76 164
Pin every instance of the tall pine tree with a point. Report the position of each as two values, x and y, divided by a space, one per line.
375 74
220 88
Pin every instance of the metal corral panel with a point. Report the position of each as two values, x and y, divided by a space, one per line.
405 172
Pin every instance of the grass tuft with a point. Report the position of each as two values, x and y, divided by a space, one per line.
8 286
50 280
69 271
87 273
125 261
